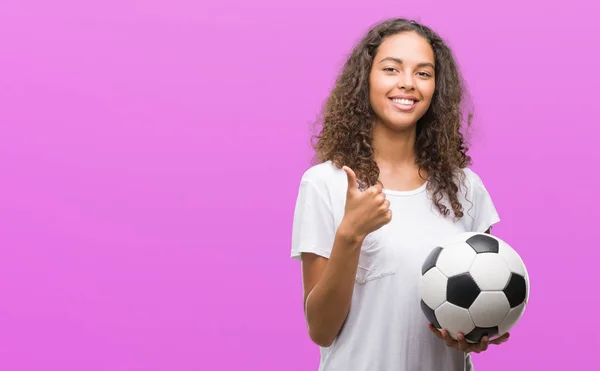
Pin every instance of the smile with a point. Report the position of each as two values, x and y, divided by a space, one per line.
404 104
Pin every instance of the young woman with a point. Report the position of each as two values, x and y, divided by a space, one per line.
392 181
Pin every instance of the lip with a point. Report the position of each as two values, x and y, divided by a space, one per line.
403 96
402 107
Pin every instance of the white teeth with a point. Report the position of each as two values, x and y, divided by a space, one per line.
406 102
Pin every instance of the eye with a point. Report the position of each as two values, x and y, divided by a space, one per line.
424 74
390 69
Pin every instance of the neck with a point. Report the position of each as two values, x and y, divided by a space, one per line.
394 148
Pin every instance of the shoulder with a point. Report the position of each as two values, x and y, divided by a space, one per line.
324 175
471 187
325 181
470 179
471 175
481 207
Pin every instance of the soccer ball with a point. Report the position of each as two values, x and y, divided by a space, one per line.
474 283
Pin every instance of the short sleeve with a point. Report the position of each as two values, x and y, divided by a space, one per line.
313 227
484 211
468 362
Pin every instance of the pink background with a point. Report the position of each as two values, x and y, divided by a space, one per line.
150 154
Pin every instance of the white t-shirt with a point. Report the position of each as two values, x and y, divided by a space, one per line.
386 329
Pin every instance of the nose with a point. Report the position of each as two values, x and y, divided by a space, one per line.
406 81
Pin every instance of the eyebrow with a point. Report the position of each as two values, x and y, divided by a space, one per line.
399 61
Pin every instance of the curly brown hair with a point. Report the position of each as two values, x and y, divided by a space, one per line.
347 118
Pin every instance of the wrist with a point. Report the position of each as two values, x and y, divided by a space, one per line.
349 234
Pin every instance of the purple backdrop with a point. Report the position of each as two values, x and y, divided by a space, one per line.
151 151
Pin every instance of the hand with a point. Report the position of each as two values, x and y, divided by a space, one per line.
366 211
463 345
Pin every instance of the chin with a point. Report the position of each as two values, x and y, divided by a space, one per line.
400 126
401 123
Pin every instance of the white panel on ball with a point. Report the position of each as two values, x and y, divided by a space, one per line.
433 288
512 259
511 319
454 319
455 259
490 272
489 309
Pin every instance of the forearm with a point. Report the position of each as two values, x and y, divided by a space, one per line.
328 303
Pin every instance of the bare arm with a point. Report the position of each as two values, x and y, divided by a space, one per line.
328 286
329 283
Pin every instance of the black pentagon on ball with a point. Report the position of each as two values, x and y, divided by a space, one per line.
431 259
483 243
515 290
462 290
430 314
478 332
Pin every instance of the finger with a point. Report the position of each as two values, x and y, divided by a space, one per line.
435 331
448 340
388 216
379 187
462 342
352 184
501 339
483 345
381 200
376 188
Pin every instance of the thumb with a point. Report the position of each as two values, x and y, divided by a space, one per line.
352 184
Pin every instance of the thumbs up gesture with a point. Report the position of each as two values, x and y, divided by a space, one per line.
367 211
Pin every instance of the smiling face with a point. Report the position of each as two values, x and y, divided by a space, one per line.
402 80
